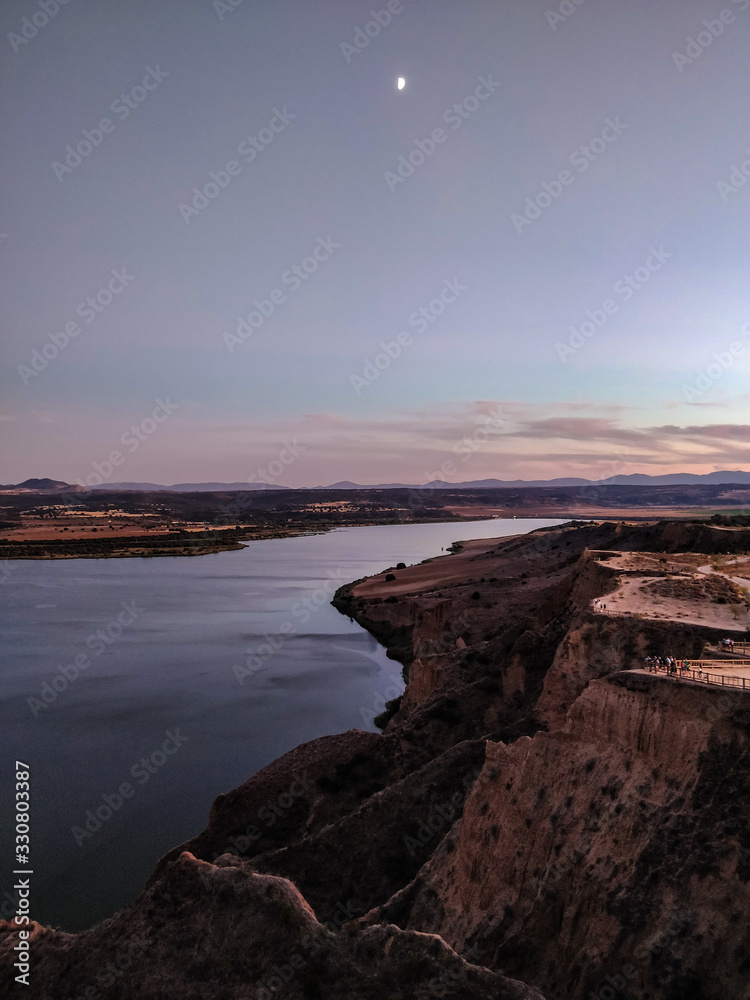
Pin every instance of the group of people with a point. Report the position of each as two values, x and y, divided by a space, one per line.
669 665
600 605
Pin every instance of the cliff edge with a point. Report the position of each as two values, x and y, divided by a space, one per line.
537 810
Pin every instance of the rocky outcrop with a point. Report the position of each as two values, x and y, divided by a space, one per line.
614 850
600 646
426 675
226 932
533 809
533 648
391 623
350 804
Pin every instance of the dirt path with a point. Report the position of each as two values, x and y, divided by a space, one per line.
741 581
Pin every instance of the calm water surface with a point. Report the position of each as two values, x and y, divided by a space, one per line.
239 654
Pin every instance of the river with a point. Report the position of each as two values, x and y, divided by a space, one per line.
208 667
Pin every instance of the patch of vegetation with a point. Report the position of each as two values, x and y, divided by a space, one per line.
391 707
702 588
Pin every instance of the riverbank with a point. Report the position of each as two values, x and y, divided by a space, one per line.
104 524
175 543
530 780
239 649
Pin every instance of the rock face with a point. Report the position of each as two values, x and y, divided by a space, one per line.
533 809
356 799
602 646
621 842
226 932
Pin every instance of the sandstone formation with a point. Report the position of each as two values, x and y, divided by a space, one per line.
226 933
533 809
620 842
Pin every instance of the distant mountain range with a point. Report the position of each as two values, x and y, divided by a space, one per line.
56 486
636 479
191 487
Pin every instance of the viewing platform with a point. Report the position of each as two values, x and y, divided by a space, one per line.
719 673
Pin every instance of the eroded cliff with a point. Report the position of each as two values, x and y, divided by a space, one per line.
532 803
620 842
223 931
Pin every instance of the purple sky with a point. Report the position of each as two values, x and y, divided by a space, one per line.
531 262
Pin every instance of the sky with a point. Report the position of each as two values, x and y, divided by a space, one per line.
233 250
